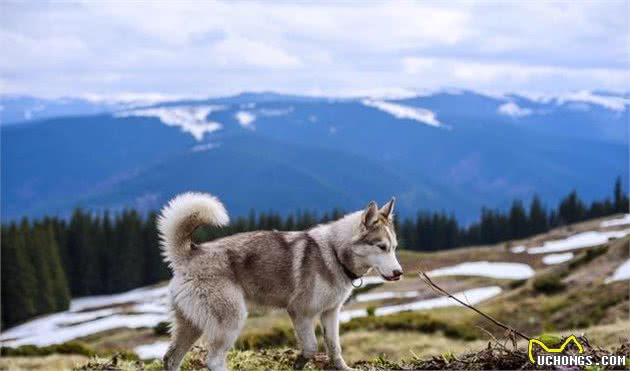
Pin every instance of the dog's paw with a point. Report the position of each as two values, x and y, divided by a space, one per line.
340 364
300 362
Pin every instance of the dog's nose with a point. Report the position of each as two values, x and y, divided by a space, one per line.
397 273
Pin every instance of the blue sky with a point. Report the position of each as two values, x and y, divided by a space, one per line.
192 48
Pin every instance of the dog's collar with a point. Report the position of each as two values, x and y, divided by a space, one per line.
350 274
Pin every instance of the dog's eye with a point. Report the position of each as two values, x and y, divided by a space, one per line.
382 246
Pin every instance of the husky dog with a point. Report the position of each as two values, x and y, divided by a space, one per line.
310 273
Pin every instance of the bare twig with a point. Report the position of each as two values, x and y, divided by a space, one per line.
496 341
441 291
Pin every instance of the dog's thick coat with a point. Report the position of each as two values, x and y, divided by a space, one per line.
309 273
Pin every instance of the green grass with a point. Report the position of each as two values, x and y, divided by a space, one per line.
413 321
588 256
71 347
267 338
549 283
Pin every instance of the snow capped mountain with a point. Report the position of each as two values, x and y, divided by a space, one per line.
190 119
245 118
15 108
421 115
279 152
512 109
610 101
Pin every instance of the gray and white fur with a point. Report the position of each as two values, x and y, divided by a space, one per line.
309 273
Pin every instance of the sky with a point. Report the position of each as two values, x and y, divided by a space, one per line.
194 48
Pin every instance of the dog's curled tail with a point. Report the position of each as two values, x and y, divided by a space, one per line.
179 219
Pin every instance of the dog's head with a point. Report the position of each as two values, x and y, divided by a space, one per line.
375 243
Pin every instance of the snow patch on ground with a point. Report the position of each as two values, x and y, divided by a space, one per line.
385 295
513 110
472 296
144 307
191 119
150 351
274 112
138 295
245 119
134 99
552 259
518 249
61 329
622 273
624 220
205 147
404 112
515 271
578 241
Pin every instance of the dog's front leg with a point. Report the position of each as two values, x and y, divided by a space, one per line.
305 333
330 323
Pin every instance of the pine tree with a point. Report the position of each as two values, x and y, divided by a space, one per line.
289 224
155 269
407 235
518 220
571 209
621 199
19 284
37 246
128 269
60 288
107 253
60 232
488 226
537 216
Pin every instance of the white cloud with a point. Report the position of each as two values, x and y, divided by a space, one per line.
506 76
212 48
231 52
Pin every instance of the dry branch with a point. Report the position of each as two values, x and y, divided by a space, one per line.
424 277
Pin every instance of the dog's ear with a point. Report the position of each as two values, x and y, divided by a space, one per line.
370 215
388 209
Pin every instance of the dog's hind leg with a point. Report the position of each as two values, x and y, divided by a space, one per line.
305 332
228 311
183 336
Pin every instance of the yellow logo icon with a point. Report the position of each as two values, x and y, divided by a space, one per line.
571 338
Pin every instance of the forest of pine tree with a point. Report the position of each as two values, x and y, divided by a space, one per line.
46 262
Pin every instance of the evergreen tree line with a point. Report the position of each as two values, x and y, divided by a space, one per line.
46 262
438 231
33 279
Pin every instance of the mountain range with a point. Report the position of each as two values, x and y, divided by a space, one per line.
452 150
